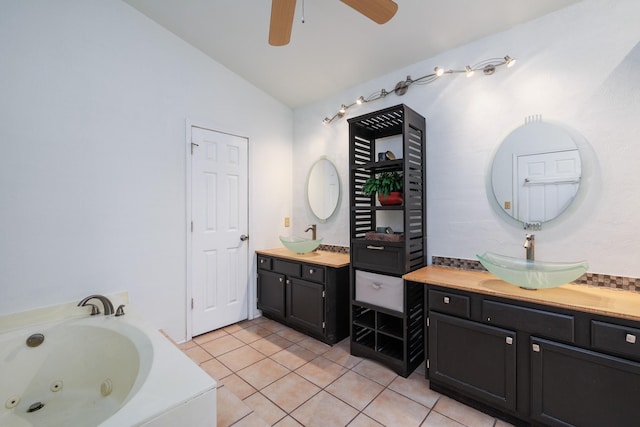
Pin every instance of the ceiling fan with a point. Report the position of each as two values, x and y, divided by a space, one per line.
282 11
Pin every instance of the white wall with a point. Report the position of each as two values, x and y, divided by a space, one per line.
578 66
94 98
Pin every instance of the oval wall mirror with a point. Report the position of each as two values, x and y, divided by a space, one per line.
536 173
323 189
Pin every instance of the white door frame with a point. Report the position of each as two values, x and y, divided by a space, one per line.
189 241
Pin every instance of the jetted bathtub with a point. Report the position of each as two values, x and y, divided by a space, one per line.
102 371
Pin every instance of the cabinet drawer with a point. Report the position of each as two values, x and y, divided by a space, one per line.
616 339
378 256
377 289
287 267
445 302
313 272
537 322
264 263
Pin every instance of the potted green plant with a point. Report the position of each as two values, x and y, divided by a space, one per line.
388 185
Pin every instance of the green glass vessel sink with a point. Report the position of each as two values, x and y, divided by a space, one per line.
300 245
532 274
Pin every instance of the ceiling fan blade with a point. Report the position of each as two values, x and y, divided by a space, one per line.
379 11
281 21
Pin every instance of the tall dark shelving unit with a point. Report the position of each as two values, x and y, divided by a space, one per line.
389 336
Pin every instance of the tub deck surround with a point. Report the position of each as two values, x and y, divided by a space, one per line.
328 259
602 301
154 383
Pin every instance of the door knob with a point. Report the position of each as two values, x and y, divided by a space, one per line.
244 237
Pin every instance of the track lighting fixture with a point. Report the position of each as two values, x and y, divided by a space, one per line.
487 66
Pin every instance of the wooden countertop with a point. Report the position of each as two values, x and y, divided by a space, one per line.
607 302
328 259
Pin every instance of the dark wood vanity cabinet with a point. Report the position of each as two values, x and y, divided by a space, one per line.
311 298
533 364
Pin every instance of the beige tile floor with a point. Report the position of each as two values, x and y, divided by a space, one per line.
271 375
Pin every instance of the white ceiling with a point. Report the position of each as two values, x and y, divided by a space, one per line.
336 47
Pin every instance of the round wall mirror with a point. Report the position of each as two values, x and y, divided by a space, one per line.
536 173
323 189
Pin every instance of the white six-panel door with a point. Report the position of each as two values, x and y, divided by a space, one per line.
219 210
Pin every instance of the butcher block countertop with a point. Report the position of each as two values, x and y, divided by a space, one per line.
328 259
604 301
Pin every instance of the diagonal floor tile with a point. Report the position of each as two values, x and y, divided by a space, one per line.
463 413
393 409
271 344
355 389
266 409
290 391
241 358
323 410
293 357
321 371
263 373
375 371
416 387
229 408
222 345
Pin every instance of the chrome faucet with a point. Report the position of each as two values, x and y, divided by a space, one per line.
106 304
529 245
312 227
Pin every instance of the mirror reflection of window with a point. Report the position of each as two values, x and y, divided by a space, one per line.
536 172
323 189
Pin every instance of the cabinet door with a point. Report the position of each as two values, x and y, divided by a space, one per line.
271 293
305 305
573 386
473 358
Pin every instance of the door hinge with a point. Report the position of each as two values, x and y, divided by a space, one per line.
192 226
191 303
323 294
193 144
323 325
427 363
427 322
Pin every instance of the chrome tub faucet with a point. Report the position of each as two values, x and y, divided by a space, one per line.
106 304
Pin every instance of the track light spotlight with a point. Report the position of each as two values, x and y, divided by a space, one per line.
509 61
469 71
439 71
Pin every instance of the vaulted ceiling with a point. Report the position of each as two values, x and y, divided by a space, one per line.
336 47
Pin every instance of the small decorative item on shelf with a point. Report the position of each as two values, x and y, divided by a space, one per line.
384 237
388 185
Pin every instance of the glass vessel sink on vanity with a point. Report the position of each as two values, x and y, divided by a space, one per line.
300 245
532 274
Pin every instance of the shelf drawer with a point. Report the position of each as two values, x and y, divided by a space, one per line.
313 273
379 256
264 263
287 267
377 289
449 303
537 322
616 339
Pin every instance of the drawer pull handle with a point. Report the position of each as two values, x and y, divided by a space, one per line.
446 300
536 348
509 340
376 285
288 282
281 279
311 271
631 339
376 248
261 261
